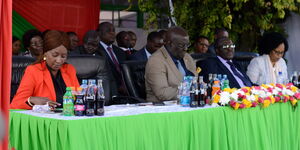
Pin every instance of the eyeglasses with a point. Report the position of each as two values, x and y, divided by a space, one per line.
183 46
228 46
278 52
202 44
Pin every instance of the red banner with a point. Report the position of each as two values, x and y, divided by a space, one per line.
66 15
5 67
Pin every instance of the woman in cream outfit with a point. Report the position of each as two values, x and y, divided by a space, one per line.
270 67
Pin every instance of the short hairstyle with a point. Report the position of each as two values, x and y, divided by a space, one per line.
121 35
219 30
54 39
153 35
131 33
219 41
201 37
14 39
102 25
90 34
29 35
71 33
270 41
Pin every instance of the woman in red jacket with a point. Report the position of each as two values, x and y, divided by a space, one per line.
46 80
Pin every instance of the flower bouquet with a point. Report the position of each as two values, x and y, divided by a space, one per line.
264 96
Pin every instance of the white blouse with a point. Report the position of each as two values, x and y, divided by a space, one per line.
261 71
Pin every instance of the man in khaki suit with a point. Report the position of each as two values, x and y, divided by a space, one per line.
166 68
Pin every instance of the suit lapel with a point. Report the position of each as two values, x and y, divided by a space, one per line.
144 55
171 63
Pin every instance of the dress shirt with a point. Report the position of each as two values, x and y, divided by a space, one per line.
224 62
106 50
147 53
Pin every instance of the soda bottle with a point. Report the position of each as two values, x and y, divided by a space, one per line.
99 111
90 98
79 106
68 103
215 87
193 89
201 101
225 83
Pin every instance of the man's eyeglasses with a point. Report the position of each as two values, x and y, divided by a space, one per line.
227 46
183 46
278 52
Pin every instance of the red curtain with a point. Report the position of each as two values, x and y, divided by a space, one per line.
5 61
66 15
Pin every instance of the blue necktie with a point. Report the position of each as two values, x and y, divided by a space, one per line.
236 73
180 67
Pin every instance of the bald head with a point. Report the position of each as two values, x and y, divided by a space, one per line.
177 41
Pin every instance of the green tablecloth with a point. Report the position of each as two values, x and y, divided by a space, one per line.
274 128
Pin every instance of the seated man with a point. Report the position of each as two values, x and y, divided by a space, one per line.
90 45
223 64
166 68
154 42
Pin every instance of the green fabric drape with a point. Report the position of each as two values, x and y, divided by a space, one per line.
273 128
20 26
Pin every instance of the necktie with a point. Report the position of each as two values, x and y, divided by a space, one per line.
236 73
116 63
113 58
128 52
180 67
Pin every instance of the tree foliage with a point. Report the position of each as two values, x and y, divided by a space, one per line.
245 19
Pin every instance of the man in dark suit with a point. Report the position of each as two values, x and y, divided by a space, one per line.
154 42
124 42
114 55
223 64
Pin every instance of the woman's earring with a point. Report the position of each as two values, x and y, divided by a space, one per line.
44 58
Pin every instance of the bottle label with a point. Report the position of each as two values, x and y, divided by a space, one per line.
79 108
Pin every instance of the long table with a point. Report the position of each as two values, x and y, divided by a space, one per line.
160 128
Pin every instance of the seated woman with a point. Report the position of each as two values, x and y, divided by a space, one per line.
46 80
270 67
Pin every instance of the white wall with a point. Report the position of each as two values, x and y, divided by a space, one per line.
292 27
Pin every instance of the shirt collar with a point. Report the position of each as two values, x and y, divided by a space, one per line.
223 60
104 45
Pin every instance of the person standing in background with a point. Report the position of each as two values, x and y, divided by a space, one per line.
74 40
33 43
201 45
16 46
133 39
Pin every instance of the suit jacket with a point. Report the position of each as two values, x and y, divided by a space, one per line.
37 81
162 77
215 66
121 56
139 55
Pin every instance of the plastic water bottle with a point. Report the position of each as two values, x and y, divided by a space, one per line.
68 103
84 86
280 78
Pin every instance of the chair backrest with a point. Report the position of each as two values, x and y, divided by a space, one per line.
19 64
244 58
93 67
200 56
134 76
